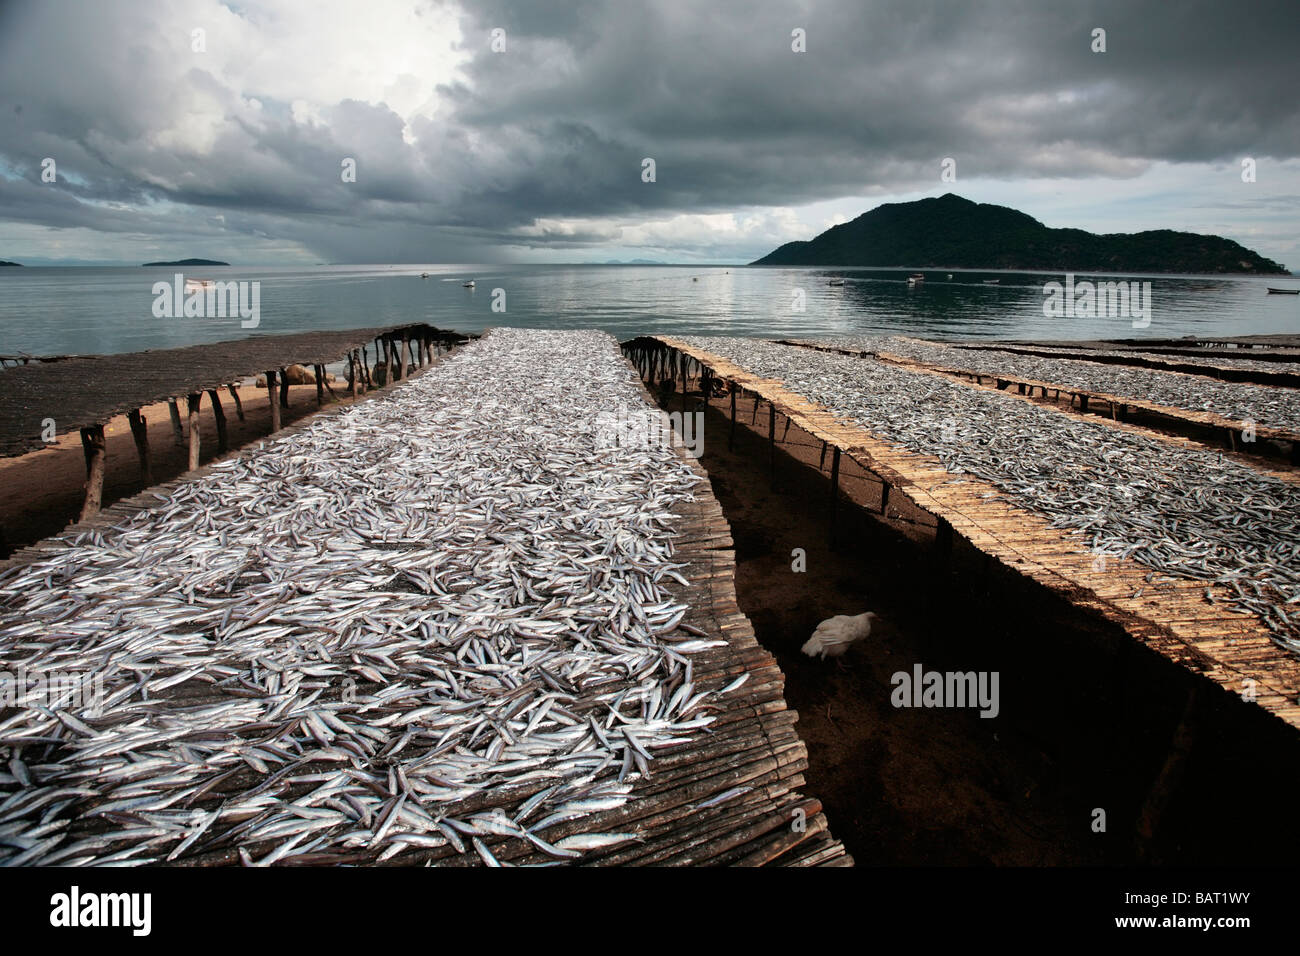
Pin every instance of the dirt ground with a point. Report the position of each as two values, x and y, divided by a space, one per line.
42 492
1088 720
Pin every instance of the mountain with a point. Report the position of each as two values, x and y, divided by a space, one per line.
189 262
3 263
954 232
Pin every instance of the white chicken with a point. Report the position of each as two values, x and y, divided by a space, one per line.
835 635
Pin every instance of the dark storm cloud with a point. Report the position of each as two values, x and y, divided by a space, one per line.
557 126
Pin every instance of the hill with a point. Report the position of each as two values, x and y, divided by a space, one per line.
956 233
188 262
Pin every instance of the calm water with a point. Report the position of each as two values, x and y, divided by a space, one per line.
104 310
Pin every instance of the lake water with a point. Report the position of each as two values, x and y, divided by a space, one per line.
53 311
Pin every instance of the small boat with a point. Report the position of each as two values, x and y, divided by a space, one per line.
695 278
949 275
992 281
836 282
1284 291
424 275
197 285
468 285
916 278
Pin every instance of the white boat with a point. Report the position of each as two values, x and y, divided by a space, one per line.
424 275
949 275
197 285
916 278
992 281
469 284
836 282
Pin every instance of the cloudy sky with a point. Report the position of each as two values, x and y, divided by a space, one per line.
202 128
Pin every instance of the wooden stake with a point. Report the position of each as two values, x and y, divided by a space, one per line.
239 406
192 402
284 388
140 432
270 396
92 443
219 414
177 431
320 385
731 435
1168 778
884 498
835 491
771 443
352 372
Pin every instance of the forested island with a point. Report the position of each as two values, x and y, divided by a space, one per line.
954 232
187 262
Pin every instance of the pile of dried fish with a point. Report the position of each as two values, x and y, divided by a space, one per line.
1170 358
1237 401
1185 512
439 618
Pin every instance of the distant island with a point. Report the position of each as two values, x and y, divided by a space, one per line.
956 233
3 263
188 262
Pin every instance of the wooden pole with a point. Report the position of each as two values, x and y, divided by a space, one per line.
884 498
192 402
239 406
140 432
822 462
771 443
1168 778
284 387
835 490
352 372
92 443
731 436
270 397
320 385
219 414
177 431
